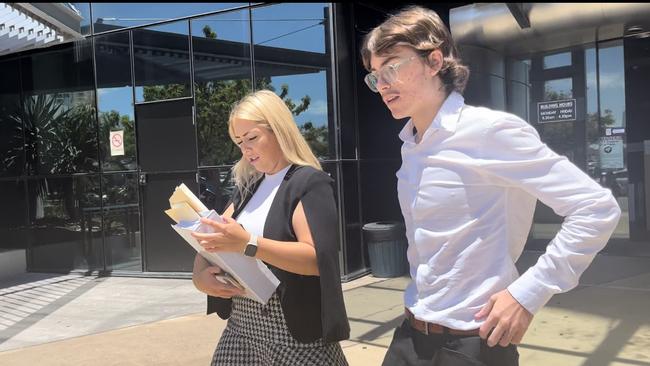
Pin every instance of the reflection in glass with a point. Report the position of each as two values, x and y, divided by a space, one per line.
83 9
292 58
518 99
115 101
13 215
65 223
612 83
559 136
222 76
605 149
121 213
613 142
354 250
557 60
109 16
558 89
11 144
57 115
60 135
592 118
166 136
162 64
216 187
518 87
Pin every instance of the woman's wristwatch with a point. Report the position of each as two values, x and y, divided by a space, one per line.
251 246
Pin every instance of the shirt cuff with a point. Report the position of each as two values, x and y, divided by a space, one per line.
529 292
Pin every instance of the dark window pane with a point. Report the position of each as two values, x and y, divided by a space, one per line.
121 214
355 252
115 102
11 136
165 250
379 186
112 57
292 58
58 110
166 140
65 223
13 215
65 68
222 76
332 168
216 187
162 63
109 16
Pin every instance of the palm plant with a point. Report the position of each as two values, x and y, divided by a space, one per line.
51 139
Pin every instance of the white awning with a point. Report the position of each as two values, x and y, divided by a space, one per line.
24 26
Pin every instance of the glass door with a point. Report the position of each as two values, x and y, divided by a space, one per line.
578 105
167 155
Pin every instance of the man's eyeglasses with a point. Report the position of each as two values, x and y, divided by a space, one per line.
387 74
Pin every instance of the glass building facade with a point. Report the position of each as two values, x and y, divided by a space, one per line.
96 133
579 86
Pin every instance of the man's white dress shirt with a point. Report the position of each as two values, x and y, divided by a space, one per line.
468 190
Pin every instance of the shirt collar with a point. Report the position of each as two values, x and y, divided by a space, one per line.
446 118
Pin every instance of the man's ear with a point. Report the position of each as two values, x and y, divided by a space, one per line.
435 61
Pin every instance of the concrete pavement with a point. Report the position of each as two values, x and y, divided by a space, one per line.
74 320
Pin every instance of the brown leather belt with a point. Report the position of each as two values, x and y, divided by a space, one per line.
432 328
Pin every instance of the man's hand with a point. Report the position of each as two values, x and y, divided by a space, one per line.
509 319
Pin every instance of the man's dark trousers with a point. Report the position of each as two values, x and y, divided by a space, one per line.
410 347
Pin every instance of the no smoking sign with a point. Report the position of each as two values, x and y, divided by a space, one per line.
117 143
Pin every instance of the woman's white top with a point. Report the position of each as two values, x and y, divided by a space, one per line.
253 216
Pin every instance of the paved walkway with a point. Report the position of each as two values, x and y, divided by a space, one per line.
73 320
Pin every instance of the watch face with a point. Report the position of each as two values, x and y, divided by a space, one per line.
250 250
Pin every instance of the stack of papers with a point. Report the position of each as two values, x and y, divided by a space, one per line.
251 274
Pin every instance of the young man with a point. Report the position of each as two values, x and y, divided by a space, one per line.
467 187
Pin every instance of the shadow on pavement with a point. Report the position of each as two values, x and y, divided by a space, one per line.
28 298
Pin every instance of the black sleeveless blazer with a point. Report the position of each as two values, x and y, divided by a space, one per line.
313 305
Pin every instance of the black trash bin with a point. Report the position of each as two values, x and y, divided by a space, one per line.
387 248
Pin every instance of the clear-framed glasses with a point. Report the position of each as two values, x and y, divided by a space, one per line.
387 74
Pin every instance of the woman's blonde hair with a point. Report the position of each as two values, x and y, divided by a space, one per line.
268 110
422 30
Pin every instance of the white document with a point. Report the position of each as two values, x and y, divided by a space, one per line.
256 278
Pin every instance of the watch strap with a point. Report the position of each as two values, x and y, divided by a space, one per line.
251 246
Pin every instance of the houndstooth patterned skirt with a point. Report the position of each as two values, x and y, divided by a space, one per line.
257 334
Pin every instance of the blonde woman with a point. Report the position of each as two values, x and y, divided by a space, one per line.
283 212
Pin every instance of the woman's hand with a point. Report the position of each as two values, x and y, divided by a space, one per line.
206 282
228 237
